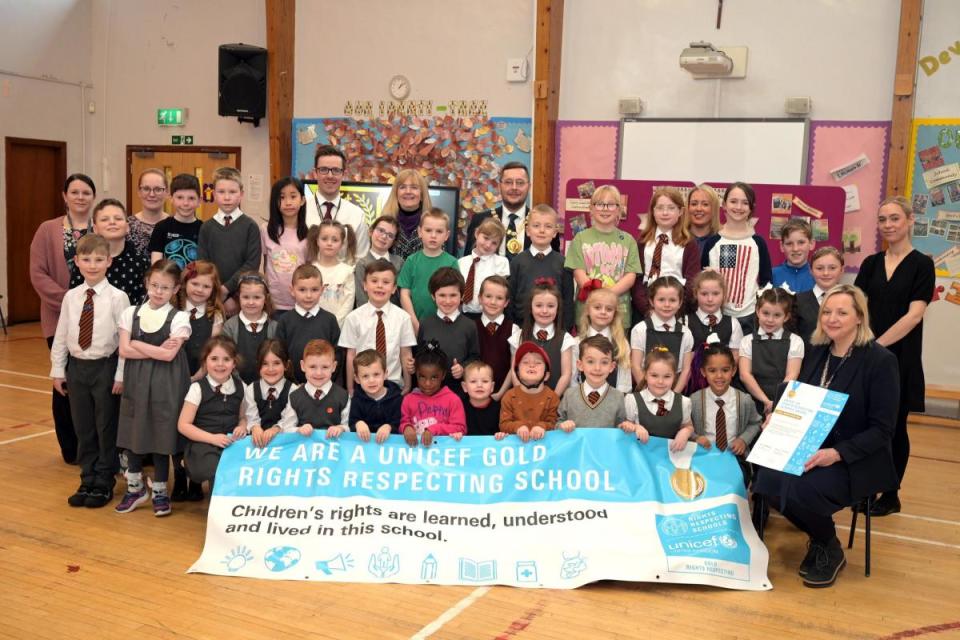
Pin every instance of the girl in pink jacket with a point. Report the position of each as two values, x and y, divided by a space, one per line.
432 409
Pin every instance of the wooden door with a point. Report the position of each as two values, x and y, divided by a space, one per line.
173 160
35 172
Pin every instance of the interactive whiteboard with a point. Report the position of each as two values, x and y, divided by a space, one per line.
771 150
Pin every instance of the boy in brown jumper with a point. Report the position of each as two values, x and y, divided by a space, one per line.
529 410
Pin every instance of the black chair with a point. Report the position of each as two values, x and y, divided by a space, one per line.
761 515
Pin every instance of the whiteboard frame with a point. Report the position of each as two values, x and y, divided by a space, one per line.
806 138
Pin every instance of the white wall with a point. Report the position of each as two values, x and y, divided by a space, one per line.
53 41
839 52
148 54
448 51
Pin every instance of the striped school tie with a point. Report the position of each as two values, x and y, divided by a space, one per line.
492 328
471 279
86 322
661 407
712 320
721 426
381 335
657 256
593 398
542 335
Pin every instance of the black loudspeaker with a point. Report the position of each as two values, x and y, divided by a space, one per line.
243 82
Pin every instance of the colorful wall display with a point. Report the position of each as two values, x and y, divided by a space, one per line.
459 151
852 155
933 186
585 148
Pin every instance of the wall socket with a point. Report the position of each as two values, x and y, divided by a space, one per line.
516 70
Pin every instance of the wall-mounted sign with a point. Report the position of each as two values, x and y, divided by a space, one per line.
174 117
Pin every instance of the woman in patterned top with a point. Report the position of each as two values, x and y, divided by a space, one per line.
408 199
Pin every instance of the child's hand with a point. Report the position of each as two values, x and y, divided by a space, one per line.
567 425
537 433
408 363
383 433
523 432
679 441
363 431
738 447
456 369
171 344
627 427
410 435
305 430
261 436
457 436
239 432
221 440
704 442
500 435
60 384
642 434
334 432
768 407
426 438
224 292
766 421
117 388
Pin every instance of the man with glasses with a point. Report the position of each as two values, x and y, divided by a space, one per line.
329 163
512 211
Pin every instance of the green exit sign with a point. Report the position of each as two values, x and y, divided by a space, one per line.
171 117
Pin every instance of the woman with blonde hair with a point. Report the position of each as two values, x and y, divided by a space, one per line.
855 461
899 284
703 213
409 197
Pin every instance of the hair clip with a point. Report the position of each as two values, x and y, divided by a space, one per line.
190 271
589 286
544 281
712 339
253 277
764 289
432 345
787 290
661 349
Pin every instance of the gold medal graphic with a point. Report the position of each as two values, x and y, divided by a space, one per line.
687 483
513 245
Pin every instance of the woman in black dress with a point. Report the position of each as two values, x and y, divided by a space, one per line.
854 461
899 284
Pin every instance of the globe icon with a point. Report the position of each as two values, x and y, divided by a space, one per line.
673 527
281 558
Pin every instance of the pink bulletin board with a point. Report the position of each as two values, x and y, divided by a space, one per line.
777 203
835 147
576 204
585 148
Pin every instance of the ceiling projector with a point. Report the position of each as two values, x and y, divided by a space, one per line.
700 58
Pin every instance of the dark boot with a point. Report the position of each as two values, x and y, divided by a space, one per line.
887 504
827 562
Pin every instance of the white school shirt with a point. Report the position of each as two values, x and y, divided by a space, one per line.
485 320
219 216
671 259
339 289
194 394
818 294
492 265
730 409
568 346
520 224
633 413
344 212
252 411
179 326
736 331
360 333
796 344
261 322
624 375
535 252
313 311
453 316
289 421
638 337
109 303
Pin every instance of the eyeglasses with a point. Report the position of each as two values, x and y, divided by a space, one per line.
159 288
606 206
329 171
514 183
386 234
666 207
152 190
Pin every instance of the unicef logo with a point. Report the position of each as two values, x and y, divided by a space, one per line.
674 527
727 542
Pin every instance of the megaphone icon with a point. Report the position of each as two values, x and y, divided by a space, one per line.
338 562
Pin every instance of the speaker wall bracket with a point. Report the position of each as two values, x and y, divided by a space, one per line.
254 121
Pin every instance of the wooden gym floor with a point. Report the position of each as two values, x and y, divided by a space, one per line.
80 573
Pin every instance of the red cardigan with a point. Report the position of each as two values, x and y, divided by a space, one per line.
690 268
49 273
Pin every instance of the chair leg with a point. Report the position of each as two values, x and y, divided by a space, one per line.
866 571
3 321
758 519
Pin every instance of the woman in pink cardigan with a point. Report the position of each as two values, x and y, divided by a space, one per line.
53 273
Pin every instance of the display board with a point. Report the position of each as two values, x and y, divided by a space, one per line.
933 186
821 206
770 150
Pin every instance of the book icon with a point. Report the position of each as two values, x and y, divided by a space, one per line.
474 571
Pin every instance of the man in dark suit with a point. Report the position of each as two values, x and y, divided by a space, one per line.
512 211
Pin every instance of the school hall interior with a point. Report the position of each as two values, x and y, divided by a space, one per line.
90 86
